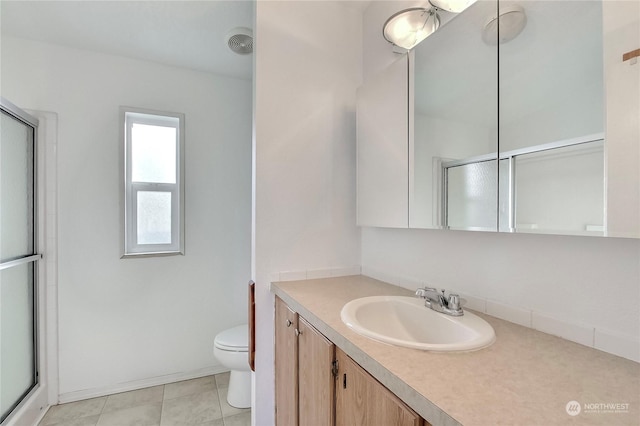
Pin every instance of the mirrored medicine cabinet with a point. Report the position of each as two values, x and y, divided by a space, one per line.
478 129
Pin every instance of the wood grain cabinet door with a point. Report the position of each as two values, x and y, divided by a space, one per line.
286 365
315 379
362 400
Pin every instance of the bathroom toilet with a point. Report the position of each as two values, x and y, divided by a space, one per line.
230 347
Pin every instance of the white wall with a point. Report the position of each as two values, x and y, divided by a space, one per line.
307 68
578 280
622 88
127 322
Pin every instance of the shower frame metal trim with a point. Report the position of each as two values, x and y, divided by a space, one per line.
19 114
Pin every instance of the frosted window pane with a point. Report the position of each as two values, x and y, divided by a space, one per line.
154 217
16 334
153 153
472 196
16 188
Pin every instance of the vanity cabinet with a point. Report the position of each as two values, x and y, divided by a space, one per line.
362 400
316 355
286 365
318 384
304 376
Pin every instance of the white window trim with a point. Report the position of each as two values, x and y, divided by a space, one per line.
129 189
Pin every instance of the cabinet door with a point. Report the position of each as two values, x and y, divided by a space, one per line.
316 388
286 365
362 400
383 148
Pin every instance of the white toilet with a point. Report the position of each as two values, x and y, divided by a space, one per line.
230 347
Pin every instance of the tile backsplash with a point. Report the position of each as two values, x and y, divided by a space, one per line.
312 274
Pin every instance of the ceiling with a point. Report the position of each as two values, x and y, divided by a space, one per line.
188 34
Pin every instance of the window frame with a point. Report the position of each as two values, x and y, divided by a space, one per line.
129 189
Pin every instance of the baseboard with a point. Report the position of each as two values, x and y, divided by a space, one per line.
139 384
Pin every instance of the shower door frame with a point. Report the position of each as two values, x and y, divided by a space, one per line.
45 390
510 158
34 258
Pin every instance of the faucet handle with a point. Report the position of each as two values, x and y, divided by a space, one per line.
422 292
454 302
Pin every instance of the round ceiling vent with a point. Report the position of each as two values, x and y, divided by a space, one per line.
240 40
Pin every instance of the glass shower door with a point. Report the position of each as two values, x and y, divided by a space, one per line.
18 258
471 197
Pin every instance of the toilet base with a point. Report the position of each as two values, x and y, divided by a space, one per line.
239 393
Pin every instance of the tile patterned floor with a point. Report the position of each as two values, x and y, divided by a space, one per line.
201 402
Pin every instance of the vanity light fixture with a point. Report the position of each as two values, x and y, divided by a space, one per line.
503 28
409 27
455 6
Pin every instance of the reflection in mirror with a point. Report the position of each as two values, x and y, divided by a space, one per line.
453 168
471 195
557 186
552 121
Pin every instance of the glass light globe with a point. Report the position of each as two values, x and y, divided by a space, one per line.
409 27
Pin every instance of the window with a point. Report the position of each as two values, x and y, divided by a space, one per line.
153 189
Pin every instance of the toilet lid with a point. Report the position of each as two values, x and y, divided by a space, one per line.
235 339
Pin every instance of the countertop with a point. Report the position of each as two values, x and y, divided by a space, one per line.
525 378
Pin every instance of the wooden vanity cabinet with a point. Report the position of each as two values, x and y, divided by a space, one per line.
304 371
316 389
318 384
286 365
362 400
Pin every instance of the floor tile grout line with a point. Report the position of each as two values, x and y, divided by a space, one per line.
103 405
215 381
71 418
164 387
102 410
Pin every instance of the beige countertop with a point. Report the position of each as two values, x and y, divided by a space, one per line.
525 378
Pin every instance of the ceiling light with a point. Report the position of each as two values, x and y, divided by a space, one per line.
409 27
455 6
510 22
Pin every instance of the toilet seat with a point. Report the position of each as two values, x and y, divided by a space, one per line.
235 339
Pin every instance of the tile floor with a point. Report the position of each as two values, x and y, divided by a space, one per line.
200 402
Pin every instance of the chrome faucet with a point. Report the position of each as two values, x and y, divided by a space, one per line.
437 301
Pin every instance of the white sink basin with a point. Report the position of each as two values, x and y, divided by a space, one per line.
405 321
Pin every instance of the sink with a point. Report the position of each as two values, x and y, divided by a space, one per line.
405 321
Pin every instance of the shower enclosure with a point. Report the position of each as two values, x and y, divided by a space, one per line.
18 257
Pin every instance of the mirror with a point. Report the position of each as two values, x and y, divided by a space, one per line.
453 171
552 120
537 101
